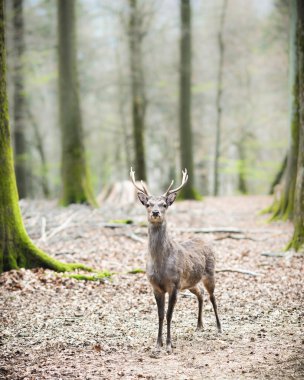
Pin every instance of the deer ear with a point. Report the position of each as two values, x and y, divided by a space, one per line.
171 198
143 198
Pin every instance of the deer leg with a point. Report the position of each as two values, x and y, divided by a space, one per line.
199 294
210 285
160 301
171 304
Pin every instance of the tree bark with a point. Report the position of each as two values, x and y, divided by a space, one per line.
19 100
219 100
16 248
283 209
185 129
298 219
138 91
279 176
74 171
242 184
121 94
41 151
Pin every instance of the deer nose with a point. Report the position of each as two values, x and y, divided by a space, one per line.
155 213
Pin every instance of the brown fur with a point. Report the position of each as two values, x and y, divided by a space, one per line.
173 266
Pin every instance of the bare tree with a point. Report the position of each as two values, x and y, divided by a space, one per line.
138 88
219 99
74 170
185 128
283 208
298 217
16 248
19 100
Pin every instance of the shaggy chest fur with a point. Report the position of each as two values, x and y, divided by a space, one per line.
163 262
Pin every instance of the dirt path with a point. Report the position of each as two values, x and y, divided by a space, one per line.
53 327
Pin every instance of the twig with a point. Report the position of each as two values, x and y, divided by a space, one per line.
114 225
287 254
232 230
243 271
209 230
240 237
135 237
60 228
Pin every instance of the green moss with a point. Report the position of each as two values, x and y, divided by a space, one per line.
100 276
121 221
137 270
297 240
16 248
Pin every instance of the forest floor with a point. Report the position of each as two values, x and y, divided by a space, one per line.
53 327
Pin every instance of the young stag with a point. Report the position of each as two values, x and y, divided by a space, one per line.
173 266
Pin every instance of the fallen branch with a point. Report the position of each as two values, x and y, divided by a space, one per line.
113 225
286 254
243 271
232 230
208 230
135 237
59 228
239 237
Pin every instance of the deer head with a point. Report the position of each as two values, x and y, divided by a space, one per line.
157 205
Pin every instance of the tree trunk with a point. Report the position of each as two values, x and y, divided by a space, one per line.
74 170
121 94
298 219
19 101
219 100
40 148
283 209
279 176
185 129
242 184
138 92
16 248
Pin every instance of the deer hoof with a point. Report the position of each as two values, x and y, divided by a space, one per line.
169 348
200 328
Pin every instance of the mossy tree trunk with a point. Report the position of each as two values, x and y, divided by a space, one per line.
138 89
241 147
185 129
16 248
279 176
74 170
283 208
19 101
219 100
298 218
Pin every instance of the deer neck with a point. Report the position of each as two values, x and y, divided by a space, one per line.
159 241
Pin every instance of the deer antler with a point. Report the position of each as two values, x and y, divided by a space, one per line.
144 190
184 181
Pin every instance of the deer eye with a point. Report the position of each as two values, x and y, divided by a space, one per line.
165 205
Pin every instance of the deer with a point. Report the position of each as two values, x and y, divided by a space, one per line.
174 266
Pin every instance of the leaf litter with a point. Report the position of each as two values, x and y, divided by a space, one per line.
56 327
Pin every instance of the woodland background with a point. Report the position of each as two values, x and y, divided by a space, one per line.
89 89
238 48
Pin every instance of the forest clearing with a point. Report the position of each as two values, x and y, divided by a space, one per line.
55 327
98 97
